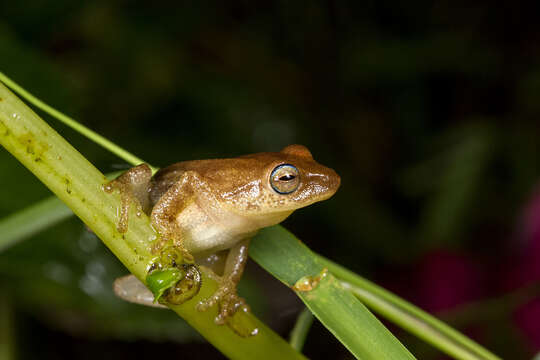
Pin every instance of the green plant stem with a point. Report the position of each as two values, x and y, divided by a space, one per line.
79 185
92 135
409 317
301 329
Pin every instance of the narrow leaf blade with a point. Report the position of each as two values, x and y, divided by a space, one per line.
283 255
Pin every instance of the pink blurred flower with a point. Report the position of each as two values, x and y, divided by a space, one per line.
446 279
525 270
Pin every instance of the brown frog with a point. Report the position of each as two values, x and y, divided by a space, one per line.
210 209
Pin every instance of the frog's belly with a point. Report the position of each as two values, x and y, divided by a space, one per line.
203 232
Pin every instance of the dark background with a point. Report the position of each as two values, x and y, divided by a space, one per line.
428 111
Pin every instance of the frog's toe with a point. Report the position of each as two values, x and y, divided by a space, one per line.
228 306
225 288
188 257
227 300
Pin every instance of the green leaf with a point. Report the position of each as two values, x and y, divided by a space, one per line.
301 328
410 317
288 259
31 220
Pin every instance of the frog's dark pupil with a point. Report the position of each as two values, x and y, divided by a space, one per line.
286 177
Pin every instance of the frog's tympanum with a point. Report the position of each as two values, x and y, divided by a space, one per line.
208 210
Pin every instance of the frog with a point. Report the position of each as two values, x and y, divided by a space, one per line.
209 210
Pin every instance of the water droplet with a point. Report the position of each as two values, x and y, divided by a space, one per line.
57 272
91 284
88 242
95 268
308 282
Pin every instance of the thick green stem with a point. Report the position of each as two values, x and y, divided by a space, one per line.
79 185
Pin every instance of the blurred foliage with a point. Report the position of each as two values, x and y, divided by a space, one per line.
428 111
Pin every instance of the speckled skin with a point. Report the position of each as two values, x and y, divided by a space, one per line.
206 206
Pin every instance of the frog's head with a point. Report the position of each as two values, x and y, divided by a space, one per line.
284 181
295 179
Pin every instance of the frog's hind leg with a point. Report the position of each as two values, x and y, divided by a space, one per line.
226 295
133 184
131 289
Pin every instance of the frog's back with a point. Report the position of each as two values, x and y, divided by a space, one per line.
225 174
230 199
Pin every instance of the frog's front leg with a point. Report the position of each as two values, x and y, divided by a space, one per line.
133 185
226 295
170 246
165 213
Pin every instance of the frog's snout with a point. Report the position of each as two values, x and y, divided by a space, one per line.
324 183
333 182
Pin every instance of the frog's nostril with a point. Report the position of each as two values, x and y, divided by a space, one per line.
334 179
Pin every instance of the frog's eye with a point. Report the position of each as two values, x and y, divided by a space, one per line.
285 179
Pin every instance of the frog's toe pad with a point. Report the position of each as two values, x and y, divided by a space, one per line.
227 300
225 289
229 306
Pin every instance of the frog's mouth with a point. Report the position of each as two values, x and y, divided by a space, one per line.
318 187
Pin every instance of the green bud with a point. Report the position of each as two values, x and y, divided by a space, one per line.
159 281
